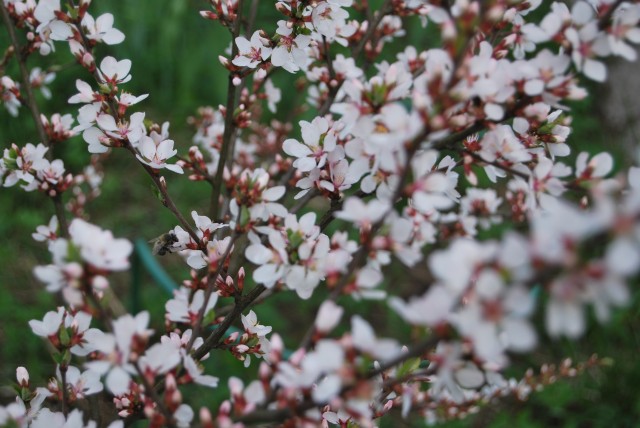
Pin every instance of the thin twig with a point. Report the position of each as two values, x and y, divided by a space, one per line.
211 284
24 74
280 415
8 54
30 100
229 125
253 11
167 201
62 218
65 393
214 338
148 389
327 55
304 200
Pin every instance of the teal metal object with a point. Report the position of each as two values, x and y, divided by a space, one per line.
145 259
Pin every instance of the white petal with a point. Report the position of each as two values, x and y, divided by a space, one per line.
294 148
273 194
113 37
305 164
258 254
595 70
118 381
469 377
623 257
534 87
521 337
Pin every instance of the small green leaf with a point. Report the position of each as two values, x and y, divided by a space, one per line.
408 367
209 318
157 193
245 216
66 358
105 89
64 337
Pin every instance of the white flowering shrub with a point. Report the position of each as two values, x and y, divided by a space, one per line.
413 160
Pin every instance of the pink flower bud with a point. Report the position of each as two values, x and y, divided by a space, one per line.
235 386
170 382
224 61
225 408
205 417
241 279
87 59
206 14
74 270
176 397
100 282
276 343
23 376
264 371
328 316
241 349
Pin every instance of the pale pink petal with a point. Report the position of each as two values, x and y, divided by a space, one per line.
273 194
295 148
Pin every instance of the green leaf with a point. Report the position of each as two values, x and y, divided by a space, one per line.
157 193
64 337
408 366
209 318
244 216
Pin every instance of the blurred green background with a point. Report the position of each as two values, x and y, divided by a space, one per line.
175 59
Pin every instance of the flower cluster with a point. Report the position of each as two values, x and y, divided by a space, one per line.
401 180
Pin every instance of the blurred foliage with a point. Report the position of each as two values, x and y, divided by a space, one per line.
175 59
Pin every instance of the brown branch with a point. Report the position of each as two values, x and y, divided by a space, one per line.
62 219
197 327
155 398
280 415
167 201
505 168
30 100
241 304
65 393
327 55
8 54
253 11
229 125
304 200
24 74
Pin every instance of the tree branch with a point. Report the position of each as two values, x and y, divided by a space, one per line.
241 304
229 125
210 287
281 415
30 101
